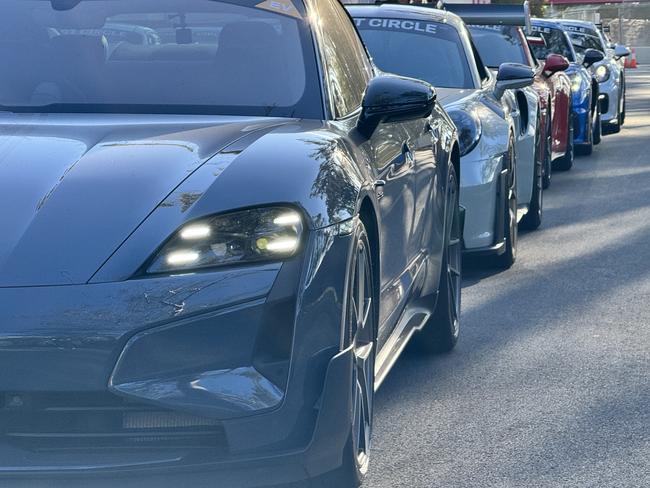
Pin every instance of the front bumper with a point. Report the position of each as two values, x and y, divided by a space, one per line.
609 101
482 180
233 376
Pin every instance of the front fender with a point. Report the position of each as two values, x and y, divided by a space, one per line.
308 164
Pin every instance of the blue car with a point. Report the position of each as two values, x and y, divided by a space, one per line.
586 124
213 247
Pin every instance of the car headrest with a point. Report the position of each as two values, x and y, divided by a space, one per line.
248 35
89 48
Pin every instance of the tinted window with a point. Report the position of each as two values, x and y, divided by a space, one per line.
165 56
556 40
499 44
347 65
429 51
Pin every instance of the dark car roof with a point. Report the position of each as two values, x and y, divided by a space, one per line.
410 12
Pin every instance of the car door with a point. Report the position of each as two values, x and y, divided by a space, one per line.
390 152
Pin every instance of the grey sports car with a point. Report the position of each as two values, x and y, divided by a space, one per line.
214 246
501 177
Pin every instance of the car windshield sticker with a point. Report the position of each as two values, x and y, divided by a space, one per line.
436 29
283 7
496 28
537 28
582 30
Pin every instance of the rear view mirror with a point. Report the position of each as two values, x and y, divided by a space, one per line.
592 56
512 76
554 64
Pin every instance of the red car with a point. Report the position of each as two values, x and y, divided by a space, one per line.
498 44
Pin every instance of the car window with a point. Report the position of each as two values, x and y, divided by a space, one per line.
234 57
499 44
433 52
347 67
557 42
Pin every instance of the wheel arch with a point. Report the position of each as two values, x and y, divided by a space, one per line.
595 93
455 160
368 217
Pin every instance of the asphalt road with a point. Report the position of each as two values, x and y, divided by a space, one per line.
550 384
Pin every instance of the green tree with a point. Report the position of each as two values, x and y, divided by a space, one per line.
537 7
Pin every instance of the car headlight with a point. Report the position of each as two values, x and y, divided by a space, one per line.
469 129
240 237
602 73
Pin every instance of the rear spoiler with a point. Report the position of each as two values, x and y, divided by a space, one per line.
487 14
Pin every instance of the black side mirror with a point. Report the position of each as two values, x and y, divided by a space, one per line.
592 56
391 98
512 76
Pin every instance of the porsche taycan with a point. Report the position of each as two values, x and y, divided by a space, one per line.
214 245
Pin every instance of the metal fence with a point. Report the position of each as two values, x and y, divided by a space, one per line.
627 22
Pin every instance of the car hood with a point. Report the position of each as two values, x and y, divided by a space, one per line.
74 187
449 96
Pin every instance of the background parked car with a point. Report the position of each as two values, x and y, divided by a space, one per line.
584 86
609 72
214 251
498 168
508 43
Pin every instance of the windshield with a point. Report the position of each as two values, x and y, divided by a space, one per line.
429 51
237 57
583 41
499 44
556 41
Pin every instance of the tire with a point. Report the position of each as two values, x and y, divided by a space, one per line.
361 332
565 163
533 219
440 333
624 110
509 256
